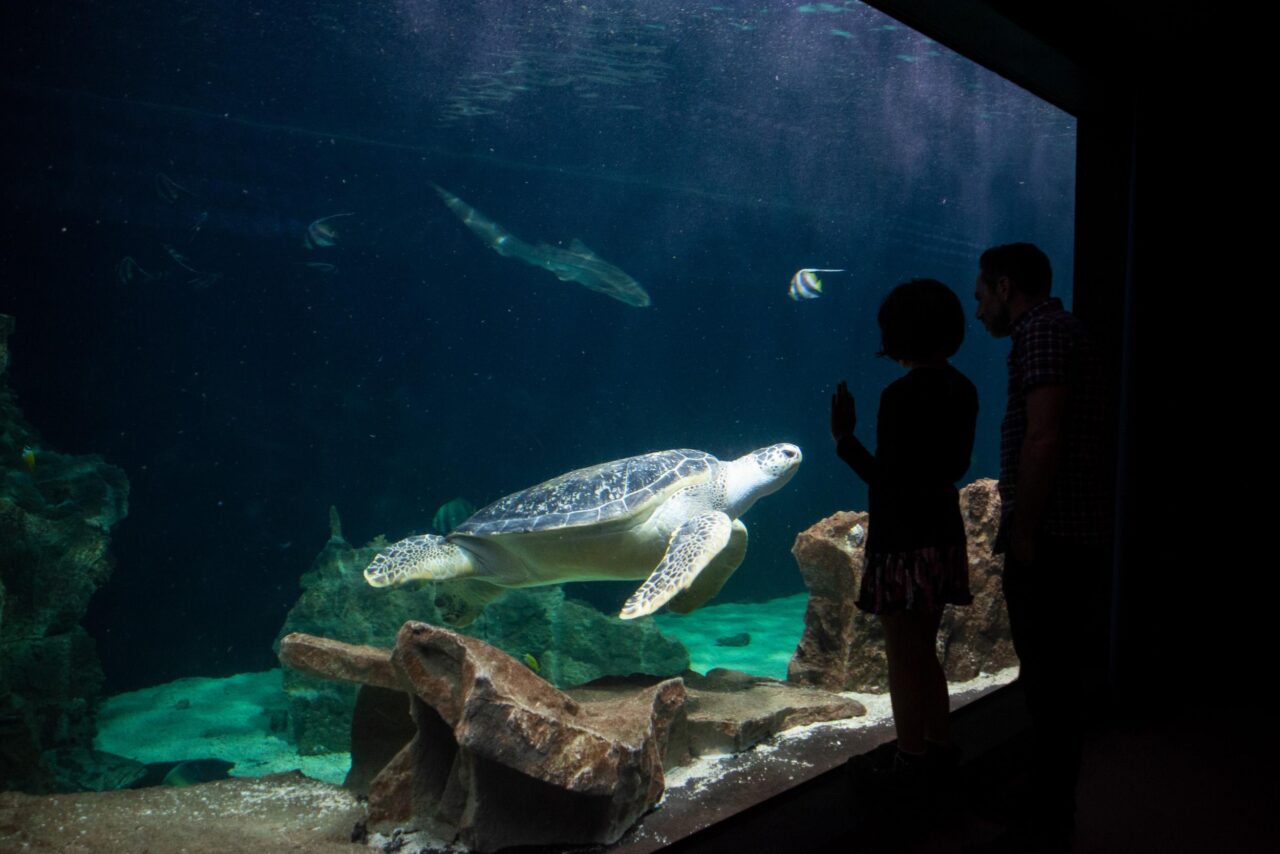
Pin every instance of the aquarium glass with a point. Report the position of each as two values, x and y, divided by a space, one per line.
234 277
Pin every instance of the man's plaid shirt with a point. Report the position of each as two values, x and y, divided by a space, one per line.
1051 347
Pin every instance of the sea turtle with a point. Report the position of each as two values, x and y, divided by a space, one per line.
669 517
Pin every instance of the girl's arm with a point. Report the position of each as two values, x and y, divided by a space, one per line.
844 418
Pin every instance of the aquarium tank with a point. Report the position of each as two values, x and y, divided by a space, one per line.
287 283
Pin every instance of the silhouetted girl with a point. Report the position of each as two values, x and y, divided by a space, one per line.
915 545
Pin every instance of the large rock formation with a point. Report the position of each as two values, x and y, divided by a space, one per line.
460 739
500 757
842 649
56 514
570 643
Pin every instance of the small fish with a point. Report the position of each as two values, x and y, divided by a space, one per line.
322 232
29 459
196 771
451 515
322 267
200 220
180 259
169 189
531 662
200 278
806 285
740 639
128 270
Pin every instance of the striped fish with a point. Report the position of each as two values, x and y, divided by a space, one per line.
805 284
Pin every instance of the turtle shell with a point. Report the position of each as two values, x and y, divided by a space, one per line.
589 496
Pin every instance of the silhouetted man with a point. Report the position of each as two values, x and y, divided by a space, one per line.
1055 517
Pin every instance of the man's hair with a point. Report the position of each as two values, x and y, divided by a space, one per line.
921 319
1023 263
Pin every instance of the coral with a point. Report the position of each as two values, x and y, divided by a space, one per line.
6 329
574 643
56 514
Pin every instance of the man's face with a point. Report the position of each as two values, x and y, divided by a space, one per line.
993 305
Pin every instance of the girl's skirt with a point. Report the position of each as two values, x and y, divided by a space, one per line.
922 579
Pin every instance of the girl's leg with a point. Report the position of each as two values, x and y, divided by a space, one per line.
917 685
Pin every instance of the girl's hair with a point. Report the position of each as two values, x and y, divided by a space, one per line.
919 320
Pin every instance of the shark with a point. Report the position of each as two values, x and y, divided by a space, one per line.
577 263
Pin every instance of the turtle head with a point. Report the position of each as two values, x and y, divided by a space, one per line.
759 473
425 557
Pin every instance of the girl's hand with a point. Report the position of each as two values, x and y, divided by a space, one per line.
844 414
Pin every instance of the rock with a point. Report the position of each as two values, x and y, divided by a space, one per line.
380 728
60 679
333 660
21 765
77 769
6 329
56 514
391 791
490 753
975 639
503 758
498 756
842 649
729 711
573 643
337 603
56 521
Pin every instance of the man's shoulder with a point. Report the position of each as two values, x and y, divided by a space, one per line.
1051 322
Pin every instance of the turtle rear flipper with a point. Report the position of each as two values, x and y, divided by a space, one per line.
692 547
424 557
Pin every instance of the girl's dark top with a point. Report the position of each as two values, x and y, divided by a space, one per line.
924 438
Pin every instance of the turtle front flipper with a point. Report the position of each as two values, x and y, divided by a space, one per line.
425 557
711 579
692 546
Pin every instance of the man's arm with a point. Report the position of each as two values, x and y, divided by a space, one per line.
1038 464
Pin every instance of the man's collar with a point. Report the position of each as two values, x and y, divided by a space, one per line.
1046 304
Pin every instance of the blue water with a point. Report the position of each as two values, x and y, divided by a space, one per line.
709 150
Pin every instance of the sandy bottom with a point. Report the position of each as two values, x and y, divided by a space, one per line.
775 628
279 813
201 718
